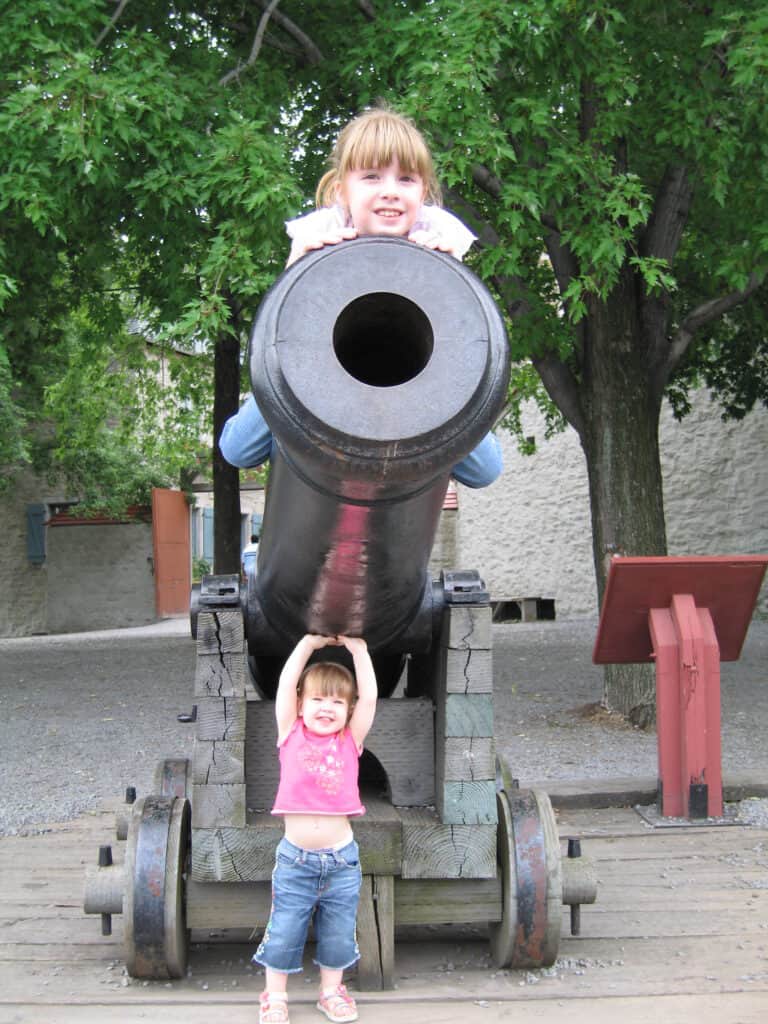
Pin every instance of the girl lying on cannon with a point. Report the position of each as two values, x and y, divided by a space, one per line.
381 182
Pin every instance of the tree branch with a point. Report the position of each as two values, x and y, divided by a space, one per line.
561 257
511 289
661 240
555 374
561 388
258 39
311 50
367 8
705 314
587 109
486 181
487 237
113 21
662 235
283 45
565 267
563 262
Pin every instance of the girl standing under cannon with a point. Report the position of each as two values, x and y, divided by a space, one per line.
323 715
381 182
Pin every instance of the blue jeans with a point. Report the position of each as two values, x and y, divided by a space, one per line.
323 882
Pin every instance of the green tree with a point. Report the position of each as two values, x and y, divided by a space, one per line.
627 147
611 159
134 180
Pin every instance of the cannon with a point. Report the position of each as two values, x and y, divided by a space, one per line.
378 366
374 396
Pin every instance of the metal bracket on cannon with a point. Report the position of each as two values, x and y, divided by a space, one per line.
464 587
213 592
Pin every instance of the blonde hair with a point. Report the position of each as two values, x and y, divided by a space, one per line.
329 679
374 139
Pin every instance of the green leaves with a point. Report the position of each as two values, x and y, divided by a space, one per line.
133 185
130 184
573 112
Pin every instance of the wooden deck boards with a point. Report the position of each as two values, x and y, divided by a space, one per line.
679 933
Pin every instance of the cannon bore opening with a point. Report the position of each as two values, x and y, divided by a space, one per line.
383 339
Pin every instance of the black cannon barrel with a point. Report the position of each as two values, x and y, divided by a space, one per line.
378 366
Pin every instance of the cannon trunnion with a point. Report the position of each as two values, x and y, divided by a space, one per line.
378 366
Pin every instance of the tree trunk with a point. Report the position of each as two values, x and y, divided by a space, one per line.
620 442
226 478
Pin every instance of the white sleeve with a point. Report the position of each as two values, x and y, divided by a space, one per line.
311 226
448 226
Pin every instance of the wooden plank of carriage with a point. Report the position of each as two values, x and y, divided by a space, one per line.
679 933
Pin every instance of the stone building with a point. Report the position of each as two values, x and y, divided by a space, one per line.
64 574
530 534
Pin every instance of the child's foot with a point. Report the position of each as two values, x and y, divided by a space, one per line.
273 1008
337 1005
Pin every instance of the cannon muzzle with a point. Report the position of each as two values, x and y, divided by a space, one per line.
378 366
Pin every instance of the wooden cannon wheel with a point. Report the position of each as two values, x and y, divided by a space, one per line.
528 850
172 777
156 860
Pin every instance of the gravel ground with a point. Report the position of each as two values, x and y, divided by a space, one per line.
547 726
84 715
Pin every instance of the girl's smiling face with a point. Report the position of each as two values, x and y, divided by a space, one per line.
323 714
382 200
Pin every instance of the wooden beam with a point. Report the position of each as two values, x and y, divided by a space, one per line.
432 849
467 803
220 632
221 718
445 901
468 758
467 627
218 762
369 965
219 675
218 807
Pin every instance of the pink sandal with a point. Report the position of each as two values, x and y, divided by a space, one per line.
338 1006
273 1008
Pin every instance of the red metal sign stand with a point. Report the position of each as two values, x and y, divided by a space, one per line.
687 615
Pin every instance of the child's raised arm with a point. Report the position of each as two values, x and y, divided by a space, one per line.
367 690
286 698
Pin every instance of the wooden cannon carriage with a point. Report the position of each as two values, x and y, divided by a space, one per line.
373 397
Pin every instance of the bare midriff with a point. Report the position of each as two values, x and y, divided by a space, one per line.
317 831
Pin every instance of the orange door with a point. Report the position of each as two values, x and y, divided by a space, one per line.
170 541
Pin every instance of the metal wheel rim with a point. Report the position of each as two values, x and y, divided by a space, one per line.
503 932
528 852
177 864
171 777
156 857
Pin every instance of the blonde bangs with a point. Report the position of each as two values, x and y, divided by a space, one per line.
375 139
384 142
328 679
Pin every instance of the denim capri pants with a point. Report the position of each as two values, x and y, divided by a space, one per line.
323 882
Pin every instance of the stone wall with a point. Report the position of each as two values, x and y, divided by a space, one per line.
100 576
530 533
24 590
94 576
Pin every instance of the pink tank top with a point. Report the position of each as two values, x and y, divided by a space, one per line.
318 774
